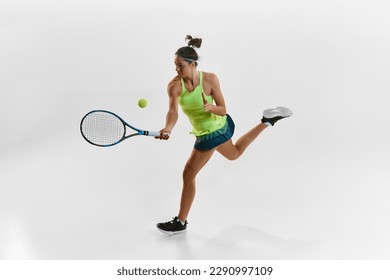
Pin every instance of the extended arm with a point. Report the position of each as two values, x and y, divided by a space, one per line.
172 114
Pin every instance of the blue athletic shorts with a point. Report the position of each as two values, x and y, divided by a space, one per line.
216 138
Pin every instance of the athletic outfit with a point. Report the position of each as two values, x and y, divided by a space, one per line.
211 131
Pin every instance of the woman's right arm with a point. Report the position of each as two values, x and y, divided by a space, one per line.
172 114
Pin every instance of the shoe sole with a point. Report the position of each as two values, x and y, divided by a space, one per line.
172 232
277 112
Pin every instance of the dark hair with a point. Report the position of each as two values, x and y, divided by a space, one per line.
188 53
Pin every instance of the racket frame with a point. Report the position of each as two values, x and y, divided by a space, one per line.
124 137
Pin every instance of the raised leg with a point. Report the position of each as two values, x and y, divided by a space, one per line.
233 151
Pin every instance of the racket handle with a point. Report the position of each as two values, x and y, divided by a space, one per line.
152 133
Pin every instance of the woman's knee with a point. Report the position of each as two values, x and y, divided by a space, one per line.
233 156
188 172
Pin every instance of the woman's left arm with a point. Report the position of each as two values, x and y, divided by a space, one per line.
219 108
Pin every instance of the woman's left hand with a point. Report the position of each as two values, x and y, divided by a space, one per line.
207 105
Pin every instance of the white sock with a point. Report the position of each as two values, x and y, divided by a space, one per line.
267 124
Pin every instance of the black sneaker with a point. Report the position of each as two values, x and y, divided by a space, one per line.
172 227
271 116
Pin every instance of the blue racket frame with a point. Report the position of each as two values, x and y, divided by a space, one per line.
124 137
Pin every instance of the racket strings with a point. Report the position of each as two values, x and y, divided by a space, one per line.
103 128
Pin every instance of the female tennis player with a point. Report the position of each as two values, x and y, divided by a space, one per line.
200 97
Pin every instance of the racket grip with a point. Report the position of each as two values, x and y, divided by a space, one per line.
152 133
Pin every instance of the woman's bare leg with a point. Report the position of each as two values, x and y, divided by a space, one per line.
197 160
233 151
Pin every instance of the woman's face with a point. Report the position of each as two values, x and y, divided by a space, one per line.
184 68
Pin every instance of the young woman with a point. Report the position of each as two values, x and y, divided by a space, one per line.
200 97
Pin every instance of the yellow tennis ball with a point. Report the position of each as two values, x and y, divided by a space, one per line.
142 103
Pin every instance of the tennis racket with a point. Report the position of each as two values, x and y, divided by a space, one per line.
105 129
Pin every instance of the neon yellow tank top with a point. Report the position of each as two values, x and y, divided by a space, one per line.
192 105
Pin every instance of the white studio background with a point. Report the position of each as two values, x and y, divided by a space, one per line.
315 186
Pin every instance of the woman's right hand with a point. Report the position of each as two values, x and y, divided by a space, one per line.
164 135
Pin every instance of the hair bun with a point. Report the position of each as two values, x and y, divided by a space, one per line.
193 42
